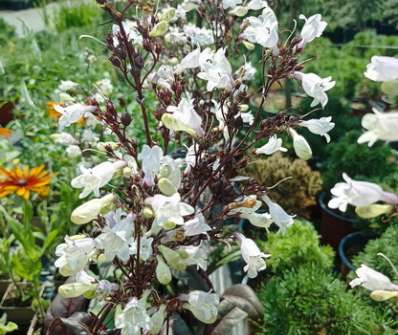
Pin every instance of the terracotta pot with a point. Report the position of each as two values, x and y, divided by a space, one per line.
21 315
334 226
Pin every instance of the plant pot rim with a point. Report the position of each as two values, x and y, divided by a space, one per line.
9 288
358 235
322 203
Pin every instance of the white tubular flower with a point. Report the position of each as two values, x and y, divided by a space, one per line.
274 144
358 194
253 256
300 145
116 234
379 126
262 30
320 126
132 33
82 285
198 36
216 70
67 86
246 72
278 214
190 61
74 254
257 4
64 138
183 118
382 69
90 210
372 280
104 87
196 226
150 161
316 87
231 3
169 211
92 179
134 320
169 175
203 305
145 247
239 11
196 255
73 151
313 28
157 320
73 113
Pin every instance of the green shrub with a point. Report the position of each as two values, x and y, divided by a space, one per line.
298 247
71 16
6 32
358 161
310 301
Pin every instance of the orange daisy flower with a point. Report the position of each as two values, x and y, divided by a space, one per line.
5 132
23 181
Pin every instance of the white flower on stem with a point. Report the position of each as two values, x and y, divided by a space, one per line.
315 87
257 4
253 257
198 36
216 70
231 3
89 137
382 69
300 145
92 179
115 236
278 214
105 288
134 319
73 113
157 320
190 61
320 126
274 144
379 126
262 30
203 305
150 162
196 255
313 28
73 151
239 11
132 33
74 254
372 280
247 118
183 118
246 72
169 175
90 210
64 138
169 211
145 247
175 36
83 284
358 194
67 86
196 226
104 87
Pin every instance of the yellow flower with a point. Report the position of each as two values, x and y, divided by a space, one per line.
22 181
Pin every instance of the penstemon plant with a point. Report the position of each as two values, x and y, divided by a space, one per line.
172 194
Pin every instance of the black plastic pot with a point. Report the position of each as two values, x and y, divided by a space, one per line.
350 246
334 226
16 4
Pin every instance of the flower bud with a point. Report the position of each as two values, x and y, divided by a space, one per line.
166 187
91 209
380 295
160 29
168 14
243 108
172 258
301 146
373 211
148 213
126 119
101 146
239 11
163 273
248 45
74 290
